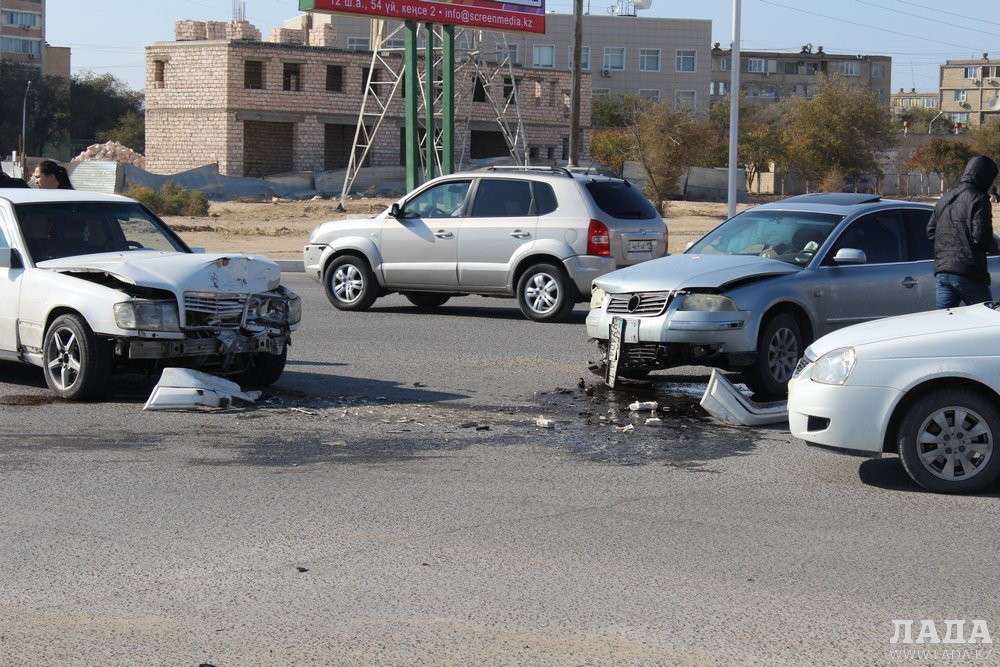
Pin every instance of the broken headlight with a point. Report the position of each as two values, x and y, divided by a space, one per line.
143 315
285 308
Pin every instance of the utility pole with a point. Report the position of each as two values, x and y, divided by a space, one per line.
734 108
574 105
24 127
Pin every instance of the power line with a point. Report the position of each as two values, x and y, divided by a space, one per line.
978 19
932 20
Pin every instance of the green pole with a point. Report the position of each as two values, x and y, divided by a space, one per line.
410 92
429 102
448 101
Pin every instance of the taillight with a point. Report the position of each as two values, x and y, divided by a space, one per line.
598 239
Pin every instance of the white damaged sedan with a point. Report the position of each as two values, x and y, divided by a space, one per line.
925 386
91 284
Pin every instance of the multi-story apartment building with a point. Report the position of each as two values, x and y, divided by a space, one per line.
904 100
768 76
22 38
970 90
220 95
662 59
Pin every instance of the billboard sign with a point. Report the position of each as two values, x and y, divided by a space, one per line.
510 15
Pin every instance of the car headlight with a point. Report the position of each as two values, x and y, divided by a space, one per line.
294 308
141 315
275 309
707 302
834 367
597 297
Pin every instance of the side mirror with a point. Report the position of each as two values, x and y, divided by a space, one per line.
198 251
395 211
6 258
848 256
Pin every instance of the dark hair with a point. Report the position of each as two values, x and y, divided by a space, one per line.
50 168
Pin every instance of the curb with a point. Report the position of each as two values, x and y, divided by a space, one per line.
291 266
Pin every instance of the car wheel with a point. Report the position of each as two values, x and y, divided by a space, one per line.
427 299
947 441
544 293
265 371
350 283
77 365
779 348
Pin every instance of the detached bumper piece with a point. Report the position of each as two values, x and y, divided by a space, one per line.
184 389
727 404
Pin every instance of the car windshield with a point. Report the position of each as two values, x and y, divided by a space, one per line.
790 236
69 229
620 200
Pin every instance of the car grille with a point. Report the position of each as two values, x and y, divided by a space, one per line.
640 354
641 304
218 311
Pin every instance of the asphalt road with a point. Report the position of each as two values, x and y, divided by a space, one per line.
363 514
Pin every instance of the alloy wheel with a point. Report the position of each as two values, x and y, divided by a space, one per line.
348 283
782 355
954 443
541 293
63 356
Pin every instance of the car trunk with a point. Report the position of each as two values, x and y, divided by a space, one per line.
634 241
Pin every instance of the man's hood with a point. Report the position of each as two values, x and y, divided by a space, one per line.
177 272
980 172
691 271
899 330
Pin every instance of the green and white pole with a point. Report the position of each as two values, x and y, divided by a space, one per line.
448 101
410 92
430 152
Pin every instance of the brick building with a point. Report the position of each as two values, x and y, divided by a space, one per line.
220 95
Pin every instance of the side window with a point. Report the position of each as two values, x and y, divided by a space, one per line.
3 237
497 198
441 201
545 199
879 235
919 247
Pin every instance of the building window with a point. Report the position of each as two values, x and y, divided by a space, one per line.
878 71
584 58
508 88
335 78
291 78
724 63
959 95
515 55
543 56
159 73
849 68
394 43
565 148
21 19
930 103
719 88
962 117
614 58
376 77
550 153
649 94
686 61
971 72
786 67
30 47
684 100
756 65
533 153
478 90
253 75
600 92
649 60
358 44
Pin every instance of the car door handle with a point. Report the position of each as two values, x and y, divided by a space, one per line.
909 283
518 234
442 234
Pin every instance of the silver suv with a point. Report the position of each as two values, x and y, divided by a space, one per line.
540 234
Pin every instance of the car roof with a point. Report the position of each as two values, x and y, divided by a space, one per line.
838 203
557 175
40 196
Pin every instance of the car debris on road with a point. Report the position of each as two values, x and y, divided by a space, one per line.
186 389
728 404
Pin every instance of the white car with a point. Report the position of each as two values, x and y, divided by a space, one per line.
925 386
92 283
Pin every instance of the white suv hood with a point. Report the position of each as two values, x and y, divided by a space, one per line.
178 272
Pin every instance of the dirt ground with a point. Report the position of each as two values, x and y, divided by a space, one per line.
279 230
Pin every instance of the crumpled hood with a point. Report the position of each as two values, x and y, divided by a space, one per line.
691 271
980 172
178 272
899 329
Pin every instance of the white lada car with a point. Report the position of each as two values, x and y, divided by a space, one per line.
92 283
925 386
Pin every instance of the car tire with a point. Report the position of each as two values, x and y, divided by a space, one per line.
350 283
545 294
77 364
779 347
929 426
427 299
265 371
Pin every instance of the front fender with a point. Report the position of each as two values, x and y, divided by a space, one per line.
50 290
356 244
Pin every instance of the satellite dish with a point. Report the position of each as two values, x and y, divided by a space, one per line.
642 4
995 103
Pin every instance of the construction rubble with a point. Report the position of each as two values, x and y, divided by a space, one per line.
114 152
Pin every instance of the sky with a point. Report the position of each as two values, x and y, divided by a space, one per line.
109 35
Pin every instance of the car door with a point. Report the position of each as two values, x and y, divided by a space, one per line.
420 248
502 219
920 251
881 287
10 289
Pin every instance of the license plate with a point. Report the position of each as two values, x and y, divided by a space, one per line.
622 332
640 246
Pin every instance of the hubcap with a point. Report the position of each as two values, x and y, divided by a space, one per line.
348 283
955 444
63 354
782 355
541 293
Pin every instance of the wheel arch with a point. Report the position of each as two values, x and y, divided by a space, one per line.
799 312
59 311
890 437
360 247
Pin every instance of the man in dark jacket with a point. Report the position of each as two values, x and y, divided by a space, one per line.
9 182
962 230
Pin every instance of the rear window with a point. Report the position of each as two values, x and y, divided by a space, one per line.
620 200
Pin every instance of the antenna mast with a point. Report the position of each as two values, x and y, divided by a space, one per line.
239 10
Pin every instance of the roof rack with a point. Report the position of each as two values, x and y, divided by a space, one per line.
530 167
585 170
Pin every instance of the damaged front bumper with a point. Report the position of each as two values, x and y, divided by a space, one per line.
222 344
